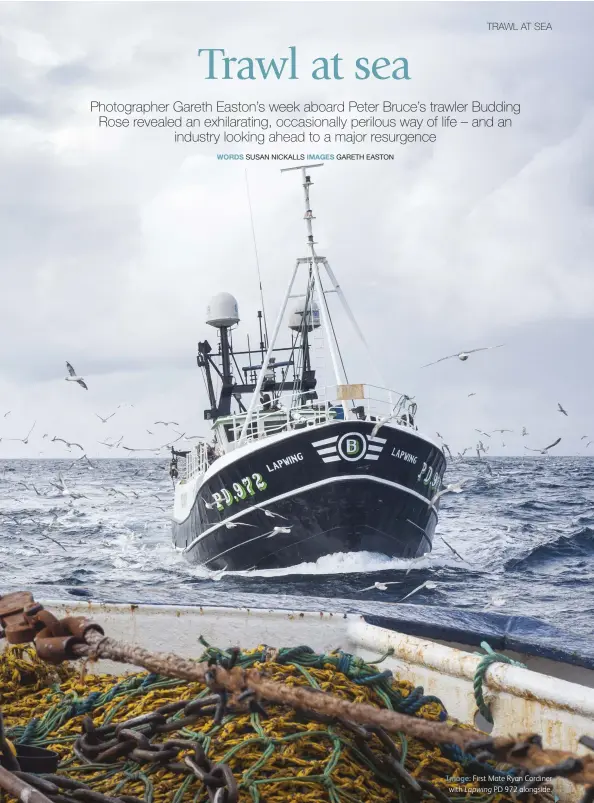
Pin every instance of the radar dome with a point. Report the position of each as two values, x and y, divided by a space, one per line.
222 311
312 316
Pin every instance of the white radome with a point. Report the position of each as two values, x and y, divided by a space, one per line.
222 311
296 316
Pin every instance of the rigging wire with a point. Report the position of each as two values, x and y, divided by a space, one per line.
247 188
333 331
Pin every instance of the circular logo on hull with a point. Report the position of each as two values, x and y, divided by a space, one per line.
352 446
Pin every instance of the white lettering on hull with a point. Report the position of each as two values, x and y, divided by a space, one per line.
285 461
406 456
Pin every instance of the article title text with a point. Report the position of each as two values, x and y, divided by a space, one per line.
220 66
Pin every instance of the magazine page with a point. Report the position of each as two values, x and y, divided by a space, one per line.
297 306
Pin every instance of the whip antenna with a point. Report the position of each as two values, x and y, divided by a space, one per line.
247 188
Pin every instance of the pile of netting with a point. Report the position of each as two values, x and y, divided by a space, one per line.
148 738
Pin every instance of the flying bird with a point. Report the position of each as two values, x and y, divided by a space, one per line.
72 377
68 444
463 355
449 546
104 420
167 423
560 409
8 413
429 584
583 438
277 530
452 488
589 442
24 440
546 449
524 432
230 524
272 515
396 411
480 431
379 586
502 430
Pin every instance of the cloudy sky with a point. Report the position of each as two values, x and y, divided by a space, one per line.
112 242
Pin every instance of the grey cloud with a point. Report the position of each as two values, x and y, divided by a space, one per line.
112 242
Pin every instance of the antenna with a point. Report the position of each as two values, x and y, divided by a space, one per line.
247 188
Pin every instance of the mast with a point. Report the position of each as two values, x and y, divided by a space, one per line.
313 260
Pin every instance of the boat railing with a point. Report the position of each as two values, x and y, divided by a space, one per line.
297 411
194 463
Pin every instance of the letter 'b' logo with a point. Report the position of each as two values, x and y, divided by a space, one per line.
352 446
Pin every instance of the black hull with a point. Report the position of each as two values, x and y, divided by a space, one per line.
337 491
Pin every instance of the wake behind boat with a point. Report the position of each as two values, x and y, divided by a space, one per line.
301 471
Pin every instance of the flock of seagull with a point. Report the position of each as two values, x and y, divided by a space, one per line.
62 490
110 443
480 447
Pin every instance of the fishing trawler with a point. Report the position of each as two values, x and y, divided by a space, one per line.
296 471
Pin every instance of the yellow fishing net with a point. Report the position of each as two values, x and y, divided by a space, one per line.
279 756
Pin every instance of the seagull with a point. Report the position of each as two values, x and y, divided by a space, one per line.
463 355
111 445
90 466
502 430
230 524
480 431
61 486
583 438
524 432
429 584
272 515
546 449
560 409
471 394
396 411
69 445
104 420
463 452
8 413
167 423
72 377
379 586
449 546
414 561
454 488
116 491
589 442
277 530
24 440
446 448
